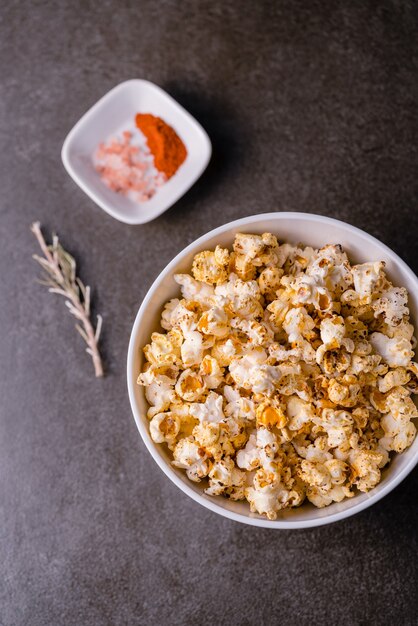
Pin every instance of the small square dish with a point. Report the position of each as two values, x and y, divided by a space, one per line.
109 117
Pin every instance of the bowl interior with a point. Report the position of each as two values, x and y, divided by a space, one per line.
113 114
291 227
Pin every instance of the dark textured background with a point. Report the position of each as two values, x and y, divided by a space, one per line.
311 106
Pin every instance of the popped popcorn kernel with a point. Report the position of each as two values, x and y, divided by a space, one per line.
210 267
270 416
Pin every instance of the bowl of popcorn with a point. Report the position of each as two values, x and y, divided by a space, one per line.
271 370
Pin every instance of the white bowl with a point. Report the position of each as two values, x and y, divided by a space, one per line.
113 114
314 230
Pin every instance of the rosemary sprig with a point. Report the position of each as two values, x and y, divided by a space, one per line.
61 278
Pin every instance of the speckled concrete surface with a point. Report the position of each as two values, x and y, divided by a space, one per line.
311 106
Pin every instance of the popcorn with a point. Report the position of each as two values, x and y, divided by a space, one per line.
269 415
396 351
365 464
167 317
394 378
164 427
237 288
355 328
192 289
267 499
295 382
248 245
404 330
404 438
317 451
332 266
259 451
240 297
365 364
238 407
332 331
266 441
298 325
257 249
158 373
305 290
337 424
338 471
295 259
243 267
257 333
211 372
159 395
163 349
177 311
282 374
190 385
392 305
400 404
225 350
211 267
214 439
192 346
269 281
214 321
332 361
251 372
412 386
210 410
189 456
279 308
366 278
298 412
344 391
303 351
226 479
315 475
336 494
249 457
207 434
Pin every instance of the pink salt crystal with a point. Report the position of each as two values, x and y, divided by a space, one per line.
123 167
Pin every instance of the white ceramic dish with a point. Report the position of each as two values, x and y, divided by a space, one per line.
111 115
313 230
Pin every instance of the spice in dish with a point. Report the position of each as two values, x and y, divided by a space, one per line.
138 164
283 374
167 148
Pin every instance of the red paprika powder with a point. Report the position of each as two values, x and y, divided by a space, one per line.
166 146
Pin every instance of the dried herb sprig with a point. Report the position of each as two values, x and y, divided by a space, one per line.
60 277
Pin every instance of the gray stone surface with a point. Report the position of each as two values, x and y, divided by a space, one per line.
311 106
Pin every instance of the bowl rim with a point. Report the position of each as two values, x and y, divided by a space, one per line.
87 117
165 467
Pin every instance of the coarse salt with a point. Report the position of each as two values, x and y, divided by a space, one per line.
127 168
